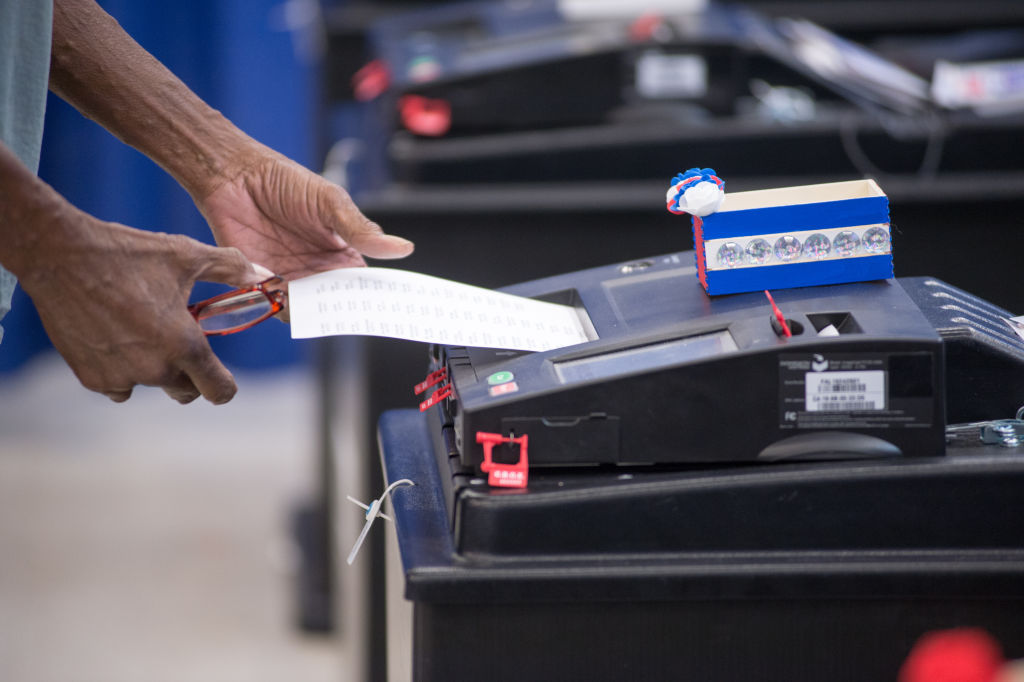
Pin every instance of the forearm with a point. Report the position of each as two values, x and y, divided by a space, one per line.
111 298
32 217
102 72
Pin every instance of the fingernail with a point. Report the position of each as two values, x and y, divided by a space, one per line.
400 242
263 272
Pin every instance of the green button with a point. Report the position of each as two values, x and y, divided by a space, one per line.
500 378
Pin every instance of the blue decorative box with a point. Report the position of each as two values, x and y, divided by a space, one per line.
795 237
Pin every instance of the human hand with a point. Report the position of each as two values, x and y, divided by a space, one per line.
291 220
114 302
276 212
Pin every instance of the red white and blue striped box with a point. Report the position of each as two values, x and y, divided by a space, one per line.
789 237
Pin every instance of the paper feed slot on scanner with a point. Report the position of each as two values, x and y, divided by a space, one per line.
675 377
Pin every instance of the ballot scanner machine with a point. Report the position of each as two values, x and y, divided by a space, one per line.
709 497
675 376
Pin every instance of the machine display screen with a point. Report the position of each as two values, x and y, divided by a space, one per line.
650 356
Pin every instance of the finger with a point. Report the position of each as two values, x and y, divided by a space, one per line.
118 396
182 389
213 381
183 397
382 246
264 273
226 265
363 234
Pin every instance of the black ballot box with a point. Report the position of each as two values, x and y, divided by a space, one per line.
728 529
796 571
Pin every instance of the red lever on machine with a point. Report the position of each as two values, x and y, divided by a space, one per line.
432 379
504 475
779 317
425 116
436 397
371 81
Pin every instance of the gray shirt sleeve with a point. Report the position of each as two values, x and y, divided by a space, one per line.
26 28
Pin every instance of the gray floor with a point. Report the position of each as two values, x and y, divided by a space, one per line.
148 540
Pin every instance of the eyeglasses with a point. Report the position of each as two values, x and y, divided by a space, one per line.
240 309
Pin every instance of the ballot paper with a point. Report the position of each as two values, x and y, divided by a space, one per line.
408 305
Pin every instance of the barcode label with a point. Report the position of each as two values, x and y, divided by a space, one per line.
843 386
845 405
844 391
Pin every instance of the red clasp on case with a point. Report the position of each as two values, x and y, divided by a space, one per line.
504 475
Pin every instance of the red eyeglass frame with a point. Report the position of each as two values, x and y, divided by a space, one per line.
276 297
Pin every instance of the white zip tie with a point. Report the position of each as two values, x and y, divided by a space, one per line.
372 512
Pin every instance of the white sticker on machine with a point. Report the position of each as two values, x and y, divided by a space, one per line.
841 391
869 390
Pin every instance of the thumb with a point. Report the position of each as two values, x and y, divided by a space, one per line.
226 265
362 234
377 244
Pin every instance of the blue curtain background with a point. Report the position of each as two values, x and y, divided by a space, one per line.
237 55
